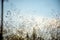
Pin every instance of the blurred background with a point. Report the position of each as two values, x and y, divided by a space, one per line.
31 19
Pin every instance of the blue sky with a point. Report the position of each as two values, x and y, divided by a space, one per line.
46 8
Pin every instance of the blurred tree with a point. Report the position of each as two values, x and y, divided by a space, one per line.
34 35
21 38
40 38
27 36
